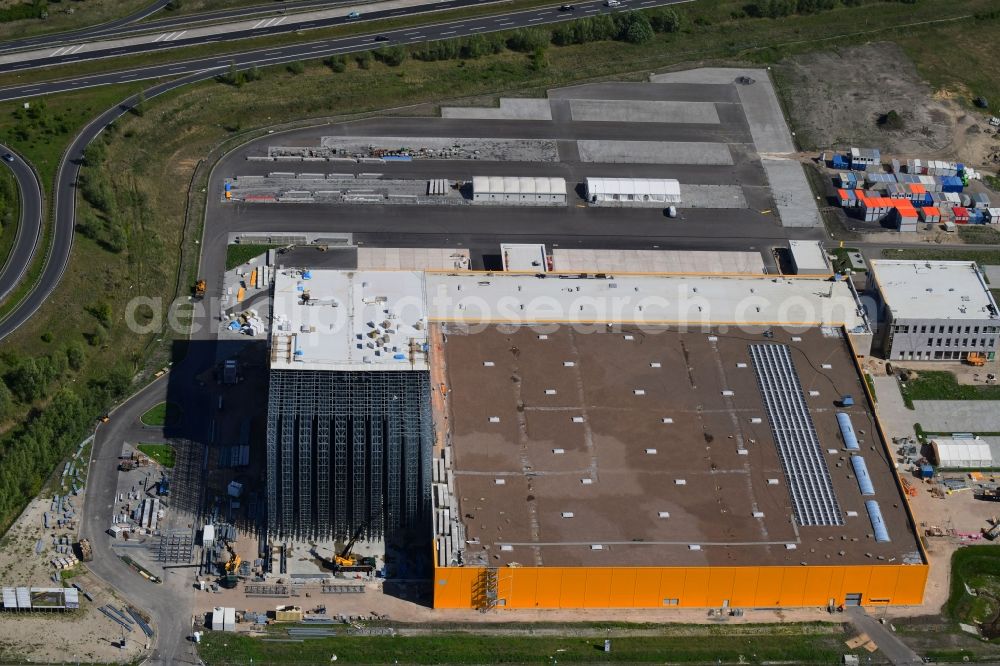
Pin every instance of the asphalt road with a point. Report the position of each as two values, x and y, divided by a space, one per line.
167 604
130 25
29 229
64 204
84 33
211 66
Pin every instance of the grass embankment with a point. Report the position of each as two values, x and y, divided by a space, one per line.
977 567
242 253
163 454
723 27
55 381
41 134
10 213
981 257
979 234
164 413
801 644
63 16
942 385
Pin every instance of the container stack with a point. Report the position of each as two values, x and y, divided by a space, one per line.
930 215
906 216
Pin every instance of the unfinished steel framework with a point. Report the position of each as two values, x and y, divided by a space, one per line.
348 453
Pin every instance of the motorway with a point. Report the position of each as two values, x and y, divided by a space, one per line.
129 25
29 228
210 66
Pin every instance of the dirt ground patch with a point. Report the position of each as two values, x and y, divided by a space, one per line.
54 637
857 85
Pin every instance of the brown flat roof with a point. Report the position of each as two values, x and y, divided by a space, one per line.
631 433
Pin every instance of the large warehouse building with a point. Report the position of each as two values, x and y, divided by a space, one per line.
933 310
604 441
348 428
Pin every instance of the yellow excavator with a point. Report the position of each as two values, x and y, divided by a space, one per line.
230 579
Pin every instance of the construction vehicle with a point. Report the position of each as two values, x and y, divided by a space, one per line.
86 552
993 531
976 359
200 288
345 560
231 567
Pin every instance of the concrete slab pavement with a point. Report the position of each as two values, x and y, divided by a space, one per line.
510 109
896 419
792 195
643 111
957 415
654 152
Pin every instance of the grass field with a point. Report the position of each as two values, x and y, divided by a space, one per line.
162 414
242 253
163 454
942 385
977 567
981 257
801 644
979 233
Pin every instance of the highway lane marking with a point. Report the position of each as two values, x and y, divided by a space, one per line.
281 20
258 24
160 37
174 69
449 32
178 35
321 46
57 52
533 20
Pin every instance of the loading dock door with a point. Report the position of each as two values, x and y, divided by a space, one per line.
853 599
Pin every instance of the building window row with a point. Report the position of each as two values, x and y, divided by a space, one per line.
937 355
950 329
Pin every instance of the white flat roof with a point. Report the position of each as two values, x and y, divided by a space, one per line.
638 299
518 185
656 261
377 320
933 289
808 255
962 452
530 257
352 320
636 186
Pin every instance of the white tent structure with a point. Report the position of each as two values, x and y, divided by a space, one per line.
519 190
962 453
633 191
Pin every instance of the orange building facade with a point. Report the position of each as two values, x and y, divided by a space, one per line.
686 587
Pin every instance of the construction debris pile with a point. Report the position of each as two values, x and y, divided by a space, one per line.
247 322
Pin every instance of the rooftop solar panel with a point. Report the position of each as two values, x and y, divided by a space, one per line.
809 482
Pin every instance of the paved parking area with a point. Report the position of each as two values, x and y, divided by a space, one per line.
958 415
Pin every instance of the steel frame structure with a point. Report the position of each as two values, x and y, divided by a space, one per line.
347 453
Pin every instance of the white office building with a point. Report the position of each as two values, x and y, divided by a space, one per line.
933 310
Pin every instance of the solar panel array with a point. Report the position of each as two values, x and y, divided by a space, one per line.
809 483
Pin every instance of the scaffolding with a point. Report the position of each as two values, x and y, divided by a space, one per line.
376 425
